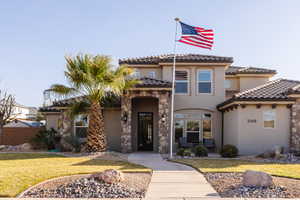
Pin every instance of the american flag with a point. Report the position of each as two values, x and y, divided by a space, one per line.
197 36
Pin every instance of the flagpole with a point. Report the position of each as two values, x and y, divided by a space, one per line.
173 91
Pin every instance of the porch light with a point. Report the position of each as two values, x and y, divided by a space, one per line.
163 118
124 117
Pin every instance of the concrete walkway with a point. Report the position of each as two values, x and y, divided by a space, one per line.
171 180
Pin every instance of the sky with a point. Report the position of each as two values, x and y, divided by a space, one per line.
36 35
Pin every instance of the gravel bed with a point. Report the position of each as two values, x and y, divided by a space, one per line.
230 185
86 188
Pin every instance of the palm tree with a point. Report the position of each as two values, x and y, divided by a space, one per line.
94 78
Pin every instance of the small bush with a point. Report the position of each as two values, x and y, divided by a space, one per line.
229 151
45 139
201 151
184 152
180 152
187 152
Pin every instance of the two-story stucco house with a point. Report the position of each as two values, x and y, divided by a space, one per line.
215 103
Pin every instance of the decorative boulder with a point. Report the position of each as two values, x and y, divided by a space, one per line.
256 178
109 176
3 147
25 147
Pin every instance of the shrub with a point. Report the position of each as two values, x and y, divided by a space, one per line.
229 151
201 151
74 142
180 152
45 139
184 152
187 152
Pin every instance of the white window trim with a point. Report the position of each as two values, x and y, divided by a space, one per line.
211 81
153 74
200 121
200 132
275 120
188 82
74 125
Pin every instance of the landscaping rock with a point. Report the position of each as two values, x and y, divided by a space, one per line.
267 154
87 188
3 147
25 147
109 176
256 178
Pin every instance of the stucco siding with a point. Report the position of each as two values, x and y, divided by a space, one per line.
112 128
251 82
52 121
254 138
234 84
231 127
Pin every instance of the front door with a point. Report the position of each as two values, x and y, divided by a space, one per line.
145 131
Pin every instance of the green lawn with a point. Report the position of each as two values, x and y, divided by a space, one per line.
218 165
18 171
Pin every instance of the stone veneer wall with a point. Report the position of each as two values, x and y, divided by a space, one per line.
163 127
295 127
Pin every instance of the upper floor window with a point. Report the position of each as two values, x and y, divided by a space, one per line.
204 78
182 82
269 118
227 84
136 74
151 74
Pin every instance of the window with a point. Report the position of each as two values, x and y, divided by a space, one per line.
194 127
179 128
204 78
80 126
227 84
192 131
151 74
181 79
269 118
136 74
206 127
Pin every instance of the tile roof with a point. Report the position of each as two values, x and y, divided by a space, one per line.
111 100
192 58
294 90
153 83
233 70
271 91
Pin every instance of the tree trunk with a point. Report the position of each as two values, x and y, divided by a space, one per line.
96 139
1 134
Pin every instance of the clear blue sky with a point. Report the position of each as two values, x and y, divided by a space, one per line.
35 35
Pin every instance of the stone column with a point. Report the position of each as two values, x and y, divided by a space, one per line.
295 127
126 146
163 126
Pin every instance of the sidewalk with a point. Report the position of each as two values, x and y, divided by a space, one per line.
172 180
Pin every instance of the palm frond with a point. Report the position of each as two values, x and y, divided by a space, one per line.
62 90
78 108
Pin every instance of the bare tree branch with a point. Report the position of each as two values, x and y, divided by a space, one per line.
7 106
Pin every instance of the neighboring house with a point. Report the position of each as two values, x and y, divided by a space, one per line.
215 103
24 112
23 123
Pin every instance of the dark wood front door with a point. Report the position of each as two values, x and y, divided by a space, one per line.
145 131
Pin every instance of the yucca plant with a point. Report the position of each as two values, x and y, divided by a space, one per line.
94 78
